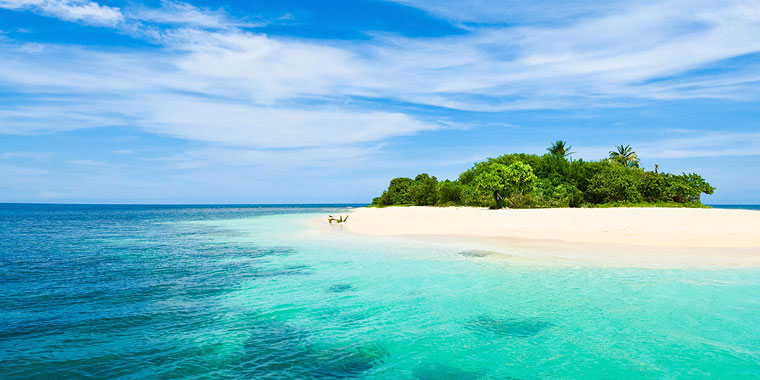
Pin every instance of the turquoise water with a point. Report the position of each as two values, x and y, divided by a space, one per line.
738 207
242 292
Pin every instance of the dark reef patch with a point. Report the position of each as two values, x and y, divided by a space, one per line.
292 270
341 363
476 253
278 350
276 251
440 371
508 327
340 288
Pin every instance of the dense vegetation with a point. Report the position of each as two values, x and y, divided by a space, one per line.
551 180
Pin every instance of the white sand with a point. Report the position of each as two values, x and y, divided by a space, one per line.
657 235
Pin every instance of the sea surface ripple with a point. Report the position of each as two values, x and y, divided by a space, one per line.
254 292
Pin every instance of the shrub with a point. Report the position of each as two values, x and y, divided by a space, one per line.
449 193
424 190
686 188
383 200
561 195
615 183
653 187
503 181
472 197
528 180
398 191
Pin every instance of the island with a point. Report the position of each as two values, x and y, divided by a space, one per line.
610 211
551 180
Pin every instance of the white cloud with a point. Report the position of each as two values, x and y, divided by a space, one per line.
241 124
511 11
8 171
88 12
236 81
89 163
208 120
265 69
26 155
65 115
691 145
274 160
640 52
137 19
717 144
184 14
229 86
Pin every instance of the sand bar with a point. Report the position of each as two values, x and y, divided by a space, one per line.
657 235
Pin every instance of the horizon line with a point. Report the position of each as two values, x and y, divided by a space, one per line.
256 204
184 204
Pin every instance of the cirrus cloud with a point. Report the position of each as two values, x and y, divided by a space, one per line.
210 80
85 11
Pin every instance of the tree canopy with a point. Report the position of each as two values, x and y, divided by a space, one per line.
551 180
624 155
560 149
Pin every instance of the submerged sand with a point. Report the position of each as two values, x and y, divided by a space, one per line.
614 235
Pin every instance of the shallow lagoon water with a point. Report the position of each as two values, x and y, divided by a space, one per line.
198 292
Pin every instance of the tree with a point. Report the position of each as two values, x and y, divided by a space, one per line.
508 159
560 149
520 179
550 180
550 194
625 155
501 180
493 181
423 191
653 186
383 200
449 193
614 183
686 188
398 191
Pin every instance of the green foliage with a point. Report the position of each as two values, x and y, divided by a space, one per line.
653 186
580 173
560 149
614 183
686 188
472 197
650 204
492 180
421 191
424 190
398 191
552 180
449 193
520 179
625 156
549 194
468 176
502 181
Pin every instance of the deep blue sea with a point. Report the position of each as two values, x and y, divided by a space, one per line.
197 292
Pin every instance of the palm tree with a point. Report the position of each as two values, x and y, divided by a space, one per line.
625 155
560 149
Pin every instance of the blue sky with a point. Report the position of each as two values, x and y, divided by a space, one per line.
308 102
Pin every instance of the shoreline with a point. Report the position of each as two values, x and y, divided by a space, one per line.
609 236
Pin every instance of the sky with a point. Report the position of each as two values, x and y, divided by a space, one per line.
300 101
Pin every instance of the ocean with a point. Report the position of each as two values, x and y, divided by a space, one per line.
259 292
738 207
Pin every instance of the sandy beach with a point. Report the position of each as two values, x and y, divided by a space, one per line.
653 235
